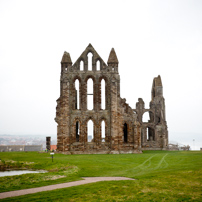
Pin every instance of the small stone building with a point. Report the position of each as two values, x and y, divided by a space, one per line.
116 127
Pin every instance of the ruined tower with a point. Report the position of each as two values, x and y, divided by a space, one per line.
123 131
154 133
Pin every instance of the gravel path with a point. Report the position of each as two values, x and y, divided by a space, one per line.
59 186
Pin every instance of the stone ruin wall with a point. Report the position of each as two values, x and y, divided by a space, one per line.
124 130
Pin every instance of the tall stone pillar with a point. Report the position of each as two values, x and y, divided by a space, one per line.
113 64
114 132
63 104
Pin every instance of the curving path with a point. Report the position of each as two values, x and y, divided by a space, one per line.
86 180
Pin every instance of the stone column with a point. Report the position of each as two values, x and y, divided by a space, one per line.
114 128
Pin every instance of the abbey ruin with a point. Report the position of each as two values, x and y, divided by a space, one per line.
116 127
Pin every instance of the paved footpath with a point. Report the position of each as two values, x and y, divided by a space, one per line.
86 180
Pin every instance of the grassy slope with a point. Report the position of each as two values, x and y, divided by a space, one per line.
161 176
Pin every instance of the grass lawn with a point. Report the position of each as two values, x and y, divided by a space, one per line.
160 176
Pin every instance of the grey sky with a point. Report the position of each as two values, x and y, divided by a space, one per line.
150 38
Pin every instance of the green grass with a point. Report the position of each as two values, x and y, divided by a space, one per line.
160 176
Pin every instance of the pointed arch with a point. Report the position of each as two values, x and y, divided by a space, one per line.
90 94
81 64
145 117
98 65
103 87
76 92
103 94
90 61
103 131
90 131
148 117
76 130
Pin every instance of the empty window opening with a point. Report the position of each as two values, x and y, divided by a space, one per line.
147 132
145 117
90 94
90 134
90 56
77 97
103 99
125 132
150 134
98 65
77 131
103 130
81 65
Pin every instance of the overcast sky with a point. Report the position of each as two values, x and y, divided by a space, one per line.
150 38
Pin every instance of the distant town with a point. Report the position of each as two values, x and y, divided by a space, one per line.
6 139
26 140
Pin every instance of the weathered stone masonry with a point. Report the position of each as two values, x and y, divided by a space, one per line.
125 132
